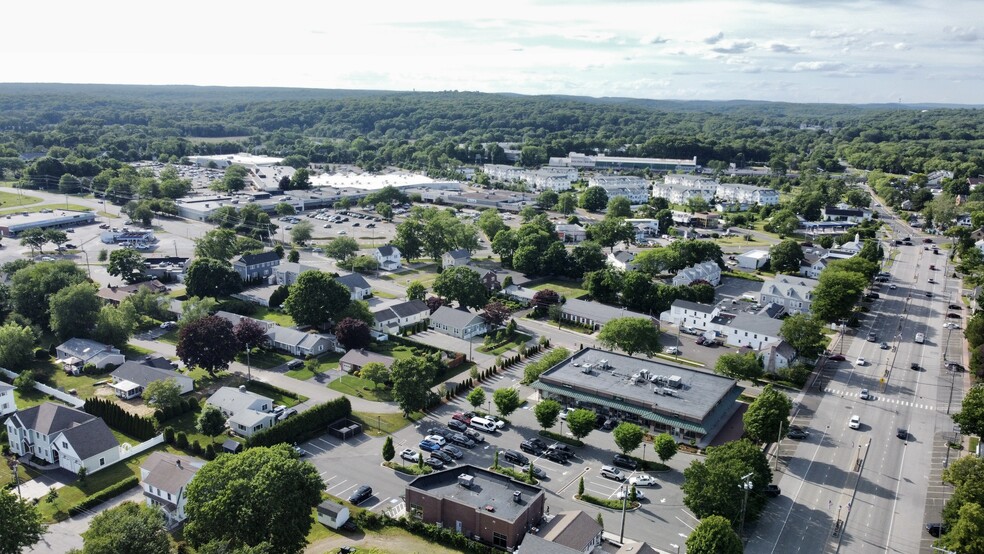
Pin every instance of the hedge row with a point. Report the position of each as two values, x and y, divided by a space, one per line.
303 426
184 406
274 389
441 535
142 428
111 491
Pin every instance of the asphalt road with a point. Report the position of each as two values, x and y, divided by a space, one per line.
875 483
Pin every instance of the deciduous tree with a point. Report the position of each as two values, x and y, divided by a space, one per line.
739 366
714 535
208 343
352 333
211 422
506 401
805 334
665 446
213 278
476 397
127 264
73 310
375 372
115 324
301 232
32 287
618 206
970 418
547 412
316 298
581 422
412 378
768 416
195 308
631 335
16 345
712 486
250 333
462 285
342 248
21 523
786 257
628 436
416 291
495 314
163 393
594 199
129 527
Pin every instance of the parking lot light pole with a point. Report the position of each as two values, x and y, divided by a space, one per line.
625 498
249 370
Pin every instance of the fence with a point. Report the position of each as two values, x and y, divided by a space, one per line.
126 453
73 401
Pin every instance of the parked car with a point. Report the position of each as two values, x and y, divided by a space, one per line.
360 495
644 480
437 439
609 472
929 294
914 366
701 340
610 424
932 268
620 494
475 435
462 440
562 448
429 446
564 412
625 462
872 337
893 286
370 225
953 315
955 307
931 281
672 350
883 346
453 451
499 422
456 425
440 432
442 455
538 442
464 417
772 490
936 529
435 463
527 446
954 366
514 457
537 472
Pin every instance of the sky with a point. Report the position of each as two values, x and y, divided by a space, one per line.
841 51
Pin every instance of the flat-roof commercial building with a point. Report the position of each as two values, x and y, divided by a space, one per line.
12 224
688 404
480 504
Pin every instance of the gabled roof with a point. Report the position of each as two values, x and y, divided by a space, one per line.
90 438
84 348
234 400
623 256
409 308
363 357
387 250
143 375
688 305
169 472
760 324
460 254
594 311
329 508
118 294
454 317
88 434
255 259
574 529
353 281
4 387
386 314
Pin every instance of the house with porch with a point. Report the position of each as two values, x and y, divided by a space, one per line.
389 257
62 436
246 412
131 378
74 354
164 478
256 266
460 323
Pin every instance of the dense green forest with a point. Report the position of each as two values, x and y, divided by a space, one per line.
438 131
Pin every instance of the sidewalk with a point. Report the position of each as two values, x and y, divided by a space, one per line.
316 392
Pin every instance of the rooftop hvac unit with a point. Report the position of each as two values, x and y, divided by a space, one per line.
518 497
675 381
668 391
466 480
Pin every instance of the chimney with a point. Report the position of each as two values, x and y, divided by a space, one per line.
242 388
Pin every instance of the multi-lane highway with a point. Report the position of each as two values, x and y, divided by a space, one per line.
872 489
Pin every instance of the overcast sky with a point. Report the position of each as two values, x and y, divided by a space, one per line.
847 51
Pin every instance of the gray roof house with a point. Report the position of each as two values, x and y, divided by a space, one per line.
63 437
354 359
164 477
357 285
594 314
459 323
247 412
793 293
389 257
752 330
255 266
456 257
392 319
131 378
286 273
73 354
298 343
8 404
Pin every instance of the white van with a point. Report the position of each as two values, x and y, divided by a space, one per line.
920 338
483 424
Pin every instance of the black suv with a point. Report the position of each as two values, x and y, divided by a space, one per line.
514 457
537 442
360 495
624 462
462 440
459 426
528 446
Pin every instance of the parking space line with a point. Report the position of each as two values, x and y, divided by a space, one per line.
378 504
340 483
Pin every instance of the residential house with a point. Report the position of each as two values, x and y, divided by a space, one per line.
167 268
460 323
843 213
292 341
752 331
63 436
964 220
557 179
851 247
246 412
164 478
74 354
753 259
522 294
389 257
593 314
490 280
747 194
793 293
571 233
621 260
690 314
644 228
394 318
355 359
8 404
332 514
359 288
680 194
706 271
131 378
251 267
776 356
573 532
116 295
286 273
636 189
493 508
935 179
456 257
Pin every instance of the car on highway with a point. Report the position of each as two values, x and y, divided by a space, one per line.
931 281
458 426
932 268
914 366
929 294
955 307
429 446
609 472
855 422
872 337
772 490
643 480
861 361
883 346
452 451
865 395
360 495
626 462
902 433
797 433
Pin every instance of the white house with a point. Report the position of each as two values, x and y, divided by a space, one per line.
131 378
8 403
286 273
463 324
644 228
332 514
621 259
680 194
753 259
557 179
63 436
74 354
690 314
793 293
752 330
246 412
570 232
777 355
843 213
164 478
357 285
404 314
456 257
747 194
636 189
389 257
706 271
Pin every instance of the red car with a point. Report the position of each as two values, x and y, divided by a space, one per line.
464 417
836 357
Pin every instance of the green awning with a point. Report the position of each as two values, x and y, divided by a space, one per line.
645 414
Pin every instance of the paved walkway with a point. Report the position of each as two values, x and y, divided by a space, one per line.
65 535
315 391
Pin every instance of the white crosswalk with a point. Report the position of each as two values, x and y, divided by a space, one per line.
877 398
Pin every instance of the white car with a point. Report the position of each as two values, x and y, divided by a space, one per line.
410 455
499 423
436 438
622 490
861 361
672 350
564 412
644 480
865 395
855 422
892 286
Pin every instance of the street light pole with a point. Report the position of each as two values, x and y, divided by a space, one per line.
778 442
746 485
625 498
249 370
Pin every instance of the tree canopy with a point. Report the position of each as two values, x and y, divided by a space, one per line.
768 416
316 298
631 335
129 527
461 284
21 523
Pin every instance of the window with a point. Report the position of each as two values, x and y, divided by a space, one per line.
64 444
498 539
416 511
102 461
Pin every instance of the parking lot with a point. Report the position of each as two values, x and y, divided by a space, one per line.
345 465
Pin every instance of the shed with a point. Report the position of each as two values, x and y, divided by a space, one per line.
232 447
753 259
332 514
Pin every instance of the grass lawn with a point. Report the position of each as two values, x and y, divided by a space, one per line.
568 290
84 385
388 422
23 208
25 473
262 388
186 423
518 340
383 294
740 240
131 352
362 388
264 359
324 363
267 314
32 398
69 495
15 199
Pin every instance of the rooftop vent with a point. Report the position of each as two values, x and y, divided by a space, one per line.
242 388
466 480
517 497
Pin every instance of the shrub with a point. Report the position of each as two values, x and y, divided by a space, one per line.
182 441
109 492
169 435
304 425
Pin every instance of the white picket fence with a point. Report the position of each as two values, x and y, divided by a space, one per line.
73 401
127 451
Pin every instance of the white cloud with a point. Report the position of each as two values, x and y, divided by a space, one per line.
818 66
653 39
734 47
783 48
714 39
965 34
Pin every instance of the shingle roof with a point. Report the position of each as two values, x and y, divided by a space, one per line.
574 529
387 250
688 305
363 357
87 433
143 375
386 314
760 324
330 508
453 317
353 281
253 259
90 438
4 387
170 472
234 400
83 348
459 254
409 308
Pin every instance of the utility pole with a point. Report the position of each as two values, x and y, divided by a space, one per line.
746 485
778 442
625 498
249 370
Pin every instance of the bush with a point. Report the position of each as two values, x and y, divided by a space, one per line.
796 374
169 435
182 441
237 306
104 495
305 425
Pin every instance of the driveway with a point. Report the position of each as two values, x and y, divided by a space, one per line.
65 535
